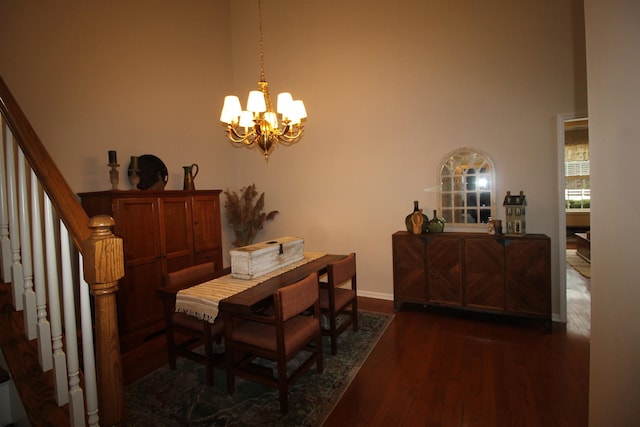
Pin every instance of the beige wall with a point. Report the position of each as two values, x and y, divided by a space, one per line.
613 60
140 77
391 87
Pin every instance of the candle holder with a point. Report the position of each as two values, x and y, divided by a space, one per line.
114 175
134 178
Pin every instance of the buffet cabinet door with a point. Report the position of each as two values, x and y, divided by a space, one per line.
484 273
444 269
528 276
409 279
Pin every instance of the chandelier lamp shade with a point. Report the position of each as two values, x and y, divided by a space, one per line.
260 125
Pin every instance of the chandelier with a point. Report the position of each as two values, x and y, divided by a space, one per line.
260 125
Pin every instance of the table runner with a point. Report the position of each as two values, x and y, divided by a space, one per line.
202 300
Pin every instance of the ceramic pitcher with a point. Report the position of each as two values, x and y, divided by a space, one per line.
190 173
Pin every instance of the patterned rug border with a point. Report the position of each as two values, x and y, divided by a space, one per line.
180 397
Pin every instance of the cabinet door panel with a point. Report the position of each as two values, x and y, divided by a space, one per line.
176 213
484 273
140 306
409 280
206 223
137 224
177 233
444 267
527 271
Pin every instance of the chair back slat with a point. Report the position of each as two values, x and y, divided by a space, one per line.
192 275
293 299
342 270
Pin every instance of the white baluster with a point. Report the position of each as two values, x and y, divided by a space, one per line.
29 296
88 355
59 362
43 327
17 288
5 244
76 396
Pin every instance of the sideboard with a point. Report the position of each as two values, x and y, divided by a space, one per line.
474 271
162 231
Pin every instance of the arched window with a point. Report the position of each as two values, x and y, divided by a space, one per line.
467 187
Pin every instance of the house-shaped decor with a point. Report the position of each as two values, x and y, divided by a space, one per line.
515 209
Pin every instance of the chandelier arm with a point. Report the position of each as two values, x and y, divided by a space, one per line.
290 139
234 136
289 134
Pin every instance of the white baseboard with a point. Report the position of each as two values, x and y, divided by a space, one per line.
377 295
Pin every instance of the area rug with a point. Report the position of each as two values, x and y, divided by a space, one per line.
580 264
181 397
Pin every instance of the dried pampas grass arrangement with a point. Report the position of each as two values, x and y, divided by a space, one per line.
245 217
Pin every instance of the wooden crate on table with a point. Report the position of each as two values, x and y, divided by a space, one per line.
248 262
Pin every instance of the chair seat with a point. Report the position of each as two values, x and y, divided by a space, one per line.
343 297
297 332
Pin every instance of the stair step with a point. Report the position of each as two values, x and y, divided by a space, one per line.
35 388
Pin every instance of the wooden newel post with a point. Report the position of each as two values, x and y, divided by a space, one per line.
103 266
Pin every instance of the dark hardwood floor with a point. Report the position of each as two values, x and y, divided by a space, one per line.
439 368
435 368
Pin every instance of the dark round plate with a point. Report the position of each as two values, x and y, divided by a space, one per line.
153 173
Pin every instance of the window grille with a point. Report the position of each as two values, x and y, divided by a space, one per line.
467 189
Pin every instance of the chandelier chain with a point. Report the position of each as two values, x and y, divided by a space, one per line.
262 77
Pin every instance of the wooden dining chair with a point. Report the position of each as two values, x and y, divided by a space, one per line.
184 332
277 335
336 300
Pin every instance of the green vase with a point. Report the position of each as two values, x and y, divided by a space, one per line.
436 225
409 224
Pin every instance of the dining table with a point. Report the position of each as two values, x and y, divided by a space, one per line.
252 300
258 297
226 295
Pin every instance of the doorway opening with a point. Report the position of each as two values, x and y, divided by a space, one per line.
575 204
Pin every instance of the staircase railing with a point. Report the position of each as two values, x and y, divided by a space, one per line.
54 256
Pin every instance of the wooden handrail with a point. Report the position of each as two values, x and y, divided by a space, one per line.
54 184
102 252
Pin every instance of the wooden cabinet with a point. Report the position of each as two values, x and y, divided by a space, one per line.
473 271
162 231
